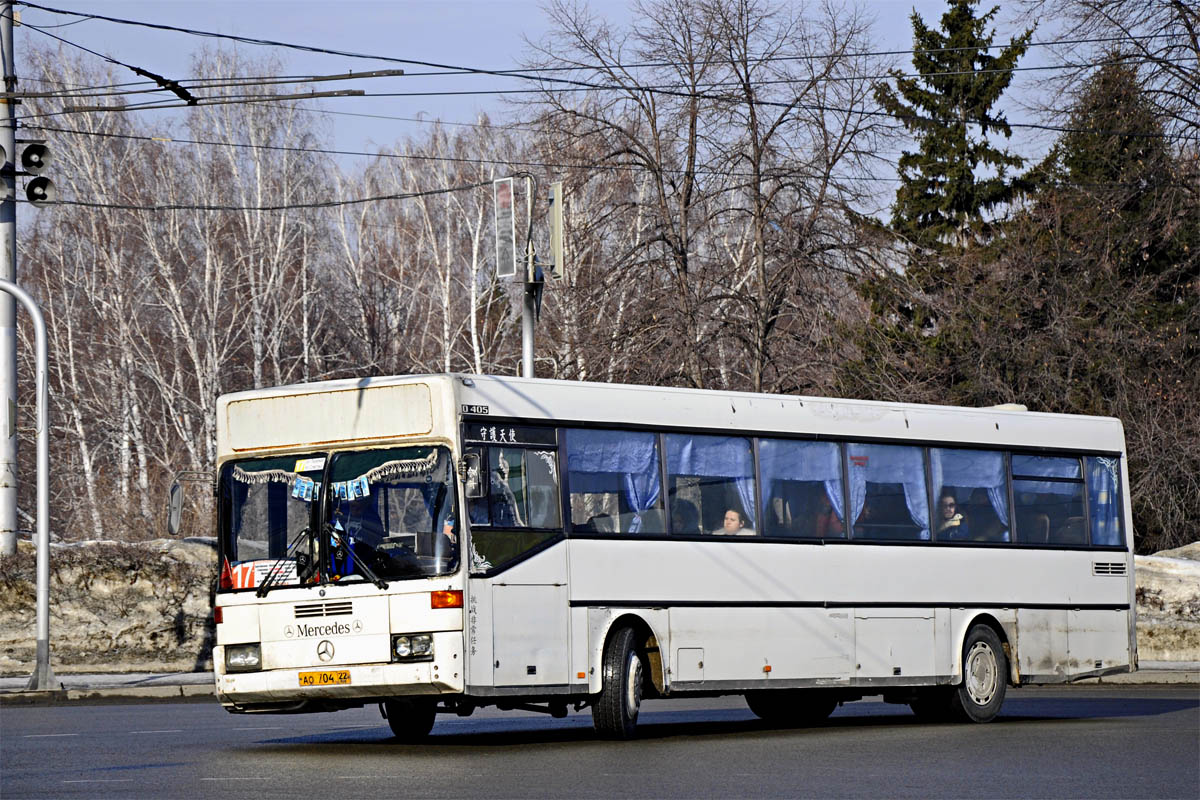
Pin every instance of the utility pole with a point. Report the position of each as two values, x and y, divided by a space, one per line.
8 309
534 279
529 308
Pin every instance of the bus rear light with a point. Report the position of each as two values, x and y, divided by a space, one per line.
446 599
218 616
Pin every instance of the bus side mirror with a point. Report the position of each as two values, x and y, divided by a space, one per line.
174 508
472 475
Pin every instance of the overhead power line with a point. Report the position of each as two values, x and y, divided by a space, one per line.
165 83
625 167
280 207
524 74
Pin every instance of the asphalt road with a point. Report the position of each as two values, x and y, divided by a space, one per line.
1141 741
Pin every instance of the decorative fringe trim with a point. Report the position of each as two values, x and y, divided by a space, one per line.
403 468
266 476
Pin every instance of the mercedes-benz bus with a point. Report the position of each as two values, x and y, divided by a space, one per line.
438 543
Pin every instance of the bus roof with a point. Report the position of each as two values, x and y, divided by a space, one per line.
605 404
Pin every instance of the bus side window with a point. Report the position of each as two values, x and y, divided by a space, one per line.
970 495
715 474
1104 500
1048 492
802 494
887 492
613 478
541 471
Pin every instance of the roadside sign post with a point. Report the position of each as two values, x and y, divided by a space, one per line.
43 675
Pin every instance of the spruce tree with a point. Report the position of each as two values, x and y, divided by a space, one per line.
956 175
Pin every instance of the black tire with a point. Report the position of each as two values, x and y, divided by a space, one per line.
410 718
615 711
792 707
985 677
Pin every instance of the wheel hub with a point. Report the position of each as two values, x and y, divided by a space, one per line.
982 673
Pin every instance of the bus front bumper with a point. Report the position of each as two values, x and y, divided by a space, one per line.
296 686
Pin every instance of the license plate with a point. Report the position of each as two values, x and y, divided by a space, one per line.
338 677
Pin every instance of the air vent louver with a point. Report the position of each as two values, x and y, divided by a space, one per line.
333 608
1108 567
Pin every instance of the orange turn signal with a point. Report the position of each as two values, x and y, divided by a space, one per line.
767 668
446 599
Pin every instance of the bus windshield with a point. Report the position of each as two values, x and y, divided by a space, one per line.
388 512
394 511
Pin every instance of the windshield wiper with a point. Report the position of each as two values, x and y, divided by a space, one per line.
356 563
274 573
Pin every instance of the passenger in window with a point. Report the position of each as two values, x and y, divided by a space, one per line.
734 524
985 525
828 525
950 522
685 518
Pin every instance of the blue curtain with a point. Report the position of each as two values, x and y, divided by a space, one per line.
1104 497
885 463
981 469
803 461
605 461
726 457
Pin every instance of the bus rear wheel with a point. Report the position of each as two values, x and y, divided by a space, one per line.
615 710
410 718
985 677
797 707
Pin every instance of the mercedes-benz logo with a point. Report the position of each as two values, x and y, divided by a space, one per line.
358 626
289 631
325 650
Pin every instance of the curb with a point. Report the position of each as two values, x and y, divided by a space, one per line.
173 694
1145 678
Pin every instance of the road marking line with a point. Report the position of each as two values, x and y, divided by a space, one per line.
47 735
103 780
265 778
173 730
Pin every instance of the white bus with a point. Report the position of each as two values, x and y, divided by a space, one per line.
439 543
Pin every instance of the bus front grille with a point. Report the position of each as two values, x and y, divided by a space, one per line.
333 608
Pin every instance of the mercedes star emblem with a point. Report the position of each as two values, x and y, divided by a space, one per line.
325 650
358 626
289 631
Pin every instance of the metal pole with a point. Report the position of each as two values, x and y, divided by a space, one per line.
8 308
528 309
43 675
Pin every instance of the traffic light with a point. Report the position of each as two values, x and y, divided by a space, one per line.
34 159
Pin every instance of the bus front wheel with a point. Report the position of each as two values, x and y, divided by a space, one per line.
985 677
615 710
410 718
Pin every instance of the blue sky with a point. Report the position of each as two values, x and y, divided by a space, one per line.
477 33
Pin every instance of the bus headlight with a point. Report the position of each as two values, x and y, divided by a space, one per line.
243 657
412 646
